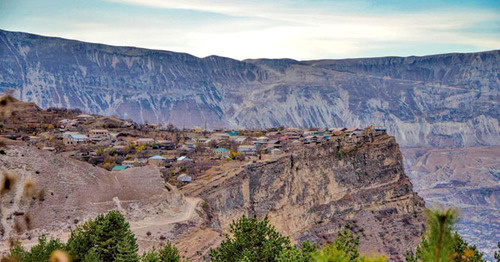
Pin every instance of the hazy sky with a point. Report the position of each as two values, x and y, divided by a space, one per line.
300 29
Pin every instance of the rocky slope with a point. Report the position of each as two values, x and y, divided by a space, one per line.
440 101
313 192
466 177
50 194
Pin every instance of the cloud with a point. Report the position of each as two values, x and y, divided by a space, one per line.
275 29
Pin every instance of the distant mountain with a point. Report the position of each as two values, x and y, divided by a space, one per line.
448 100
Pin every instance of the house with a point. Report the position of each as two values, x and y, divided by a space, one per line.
357 133
119 168
75 139
310 139
275 143
220 136
276 152
144 141
239 139
190 144
183 159
166 144
49 148
261 140
66 134
98 134
222 152
232 133
84 117
129 163
380 128
350 130
184 178
157 160
247 149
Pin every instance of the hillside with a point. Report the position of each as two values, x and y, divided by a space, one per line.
440 101
309 190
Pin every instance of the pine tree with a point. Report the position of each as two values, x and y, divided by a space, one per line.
150 256
254 239
105 233
169 253
39 252
92 256
497 253
347 242
465 252
127 250
440 243
439 246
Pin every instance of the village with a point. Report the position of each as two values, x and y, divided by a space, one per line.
180 154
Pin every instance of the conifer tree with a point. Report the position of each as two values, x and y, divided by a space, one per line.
252 239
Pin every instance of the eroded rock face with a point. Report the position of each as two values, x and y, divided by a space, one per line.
466 178
441 101
313 192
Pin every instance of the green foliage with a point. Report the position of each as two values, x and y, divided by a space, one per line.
109 235
39 252
347 242
441 244
92 256
463 252
331 253
169 253
438 244
151 256
497 253
296 254
253 240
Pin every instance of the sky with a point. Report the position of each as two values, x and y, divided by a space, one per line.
298 29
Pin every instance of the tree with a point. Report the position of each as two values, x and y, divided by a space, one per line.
108 235
465 252
347 242
92 256
39 252
252 239
330 253
127 250
169 253
497 253
440 243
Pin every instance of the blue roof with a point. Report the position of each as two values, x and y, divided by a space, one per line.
157 157
119 168
78 136
181 158
222 149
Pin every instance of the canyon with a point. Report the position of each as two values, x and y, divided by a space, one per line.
442 109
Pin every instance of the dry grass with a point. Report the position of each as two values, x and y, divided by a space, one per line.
8 181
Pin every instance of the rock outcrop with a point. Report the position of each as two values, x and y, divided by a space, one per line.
311 193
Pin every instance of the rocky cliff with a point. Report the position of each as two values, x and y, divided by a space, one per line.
440 101
312 192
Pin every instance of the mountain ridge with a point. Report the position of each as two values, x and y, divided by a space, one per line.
446 100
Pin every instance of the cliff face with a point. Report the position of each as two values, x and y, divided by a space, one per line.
313 192
467 178
440 101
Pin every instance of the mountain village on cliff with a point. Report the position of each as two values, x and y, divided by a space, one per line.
181 155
